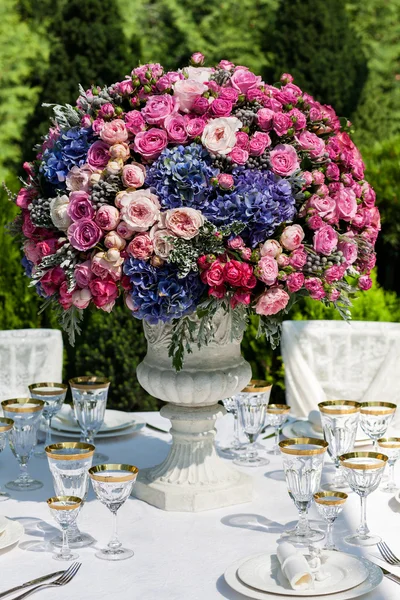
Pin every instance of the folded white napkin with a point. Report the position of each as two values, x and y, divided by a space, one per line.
295 567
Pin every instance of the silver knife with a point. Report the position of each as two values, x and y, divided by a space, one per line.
29 583
386 573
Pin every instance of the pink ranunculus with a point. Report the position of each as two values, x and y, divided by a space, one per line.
214 276
140 210
120 151
195 127
184 222
298 258
158 108
65 297
236 243
141 247
133 175
149 144
114 132
114 240
265 119
315 222
52 280
78 179
267 270
104 292
298 119
25 197
292 236
243 80
229 94
134 122
124 231
243 140
84 234
283 260
98 155
325 207
239 156
219 135
346 203
83 274
107 217
225 181
332 172
175 127
272 301
107 264
315 288
271 248
310 142
349 250
186 91
81 298
325 240
295 282
200 105
80 206
281 123
259 142
284 160
365 282
368 195
221 108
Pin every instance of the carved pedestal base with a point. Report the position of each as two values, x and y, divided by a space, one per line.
192 477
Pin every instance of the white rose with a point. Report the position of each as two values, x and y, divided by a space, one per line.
187 90
79 179
59 212
219 135
162 242
201 74
139 210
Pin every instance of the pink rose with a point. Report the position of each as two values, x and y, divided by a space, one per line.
195 127
298 119
31 252
186 91
107 265
184 222
80 206
28 228
106 111
226 65
201 74
157 108
197 58
52 280
218 291
315 288
242 140
47 247
78 179
86 121
295 282
267 270
365 282
284 160
243 80
368 195
265 118
83 274
175 127
141 246
167 81
214 276
140 210
239 156
286 78
113 240
315 222
325 240
133 175
332 172
255 94
219 135
283 260
225 181
221 108
114 132
236 243
104 292
81 298
200 105
120 151
150 143
310 142
107 217
334 295
134 122
346 204
229 94
325 207
240 297
334 273
259 142
281 123
98 155
307 176
359 219
84 234
233 273
272 301
291 237
271 248
349 250
162 241
65 297
125 88
25 197
245 253
124 231
98 125
318 177
298 258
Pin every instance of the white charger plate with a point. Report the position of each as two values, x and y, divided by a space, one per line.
128 430
305 429
3 523
114 420
11 535
374 578
264 573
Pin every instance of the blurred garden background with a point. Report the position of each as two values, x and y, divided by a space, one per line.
346 54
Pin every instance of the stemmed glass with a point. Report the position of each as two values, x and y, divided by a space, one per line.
65 510
5 426
53 396
26 414
69 463
339 421
303 459
113 485
364 472
375 418
330 505
89 395
230 405
252 403
277 415
391 447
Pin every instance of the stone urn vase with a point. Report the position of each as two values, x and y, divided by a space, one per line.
193 477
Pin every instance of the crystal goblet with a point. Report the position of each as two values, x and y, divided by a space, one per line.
252 403
113 485
375 418
391 447
69 463
339 420
26 414
277 415
5 426
65 510
330 505
364 472
230 405
53 396
303 459
89 395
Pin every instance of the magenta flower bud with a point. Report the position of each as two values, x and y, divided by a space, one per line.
197 59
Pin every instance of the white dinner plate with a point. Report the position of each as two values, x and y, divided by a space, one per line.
3 523
305 429
75 435
264 573
374 578
114 420
12 534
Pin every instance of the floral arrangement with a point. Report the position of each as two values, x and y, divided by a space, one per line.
191 190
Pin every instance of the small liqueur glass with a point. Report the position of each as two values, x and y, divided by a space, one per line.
364 472
375 418
277 415
339 422
65 510
391 447
252 403
89 395
53 396
5 426
303 459
330 505
69 463
26 414
230 404
113 485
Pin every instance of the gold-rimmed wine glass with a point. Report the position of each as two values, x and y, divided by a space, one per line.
363 471
375 418
252 403
53 396
65 510
112 484
329 505
391 447
277 415
5 426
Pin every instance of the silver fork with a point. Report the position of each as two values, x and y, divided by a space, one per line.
63 580
387 554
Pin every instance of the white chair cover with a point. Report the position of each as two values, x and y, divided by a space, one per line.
28 356
336 360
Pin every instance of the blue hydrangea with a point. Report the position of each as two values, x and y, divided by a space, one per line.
158 294
28 266
181 176
70 150
259 199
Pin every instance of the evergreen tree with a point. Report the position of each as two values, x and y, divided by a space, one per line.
314 42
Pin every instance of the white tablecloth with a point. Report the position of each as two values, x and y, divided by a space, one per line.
178 556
